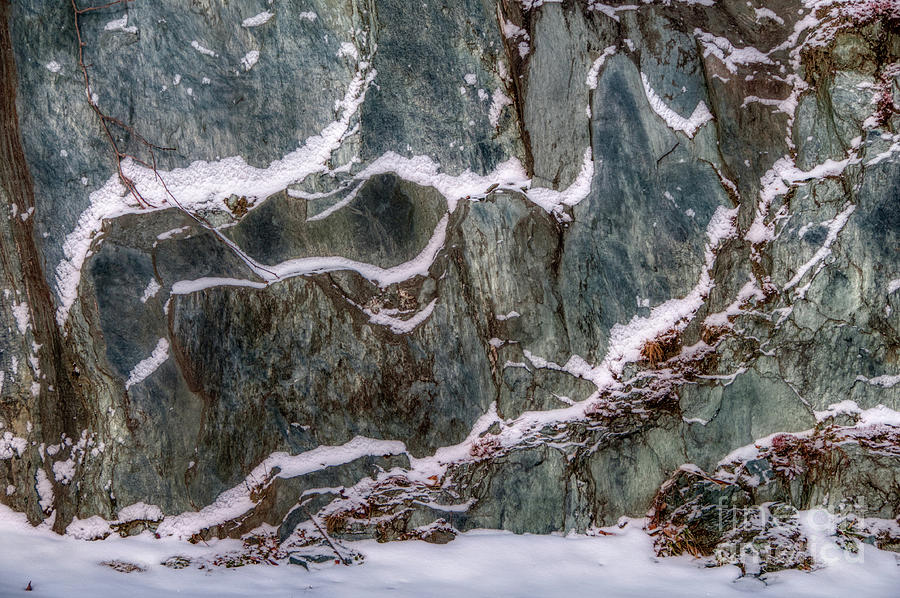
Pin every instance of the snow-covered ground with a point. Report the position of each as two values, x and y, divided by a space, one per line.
480 563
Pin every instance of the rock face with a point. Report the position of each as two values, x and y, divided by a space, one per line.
485 263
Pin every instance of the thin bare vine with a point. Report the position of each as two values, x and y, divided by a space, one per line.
107 123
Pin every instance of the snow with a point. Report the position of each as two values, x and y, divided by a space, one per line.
513 32
729 55
250 59
893 285
347 49
776 181
880 415
418 266
611 11
53 66
459 508
172 233
627 341
341 204
91 528
205 185
140 511
509 316
766 13
751 451
202 49
689 126
300 194
120 25
64 471
11 446
22 316
44 489
149 365
804 229
553 201
307 16
516 364
478 563
498 101
868 421
436 463
594 72
257 20
786 105
202 186
893 149
152 289
834 227
185 287
471 78
398 325
237 501
424 171
750 291
883 381
846 407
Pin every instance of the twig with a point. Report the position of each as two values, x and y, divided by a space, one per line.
106 121
343 560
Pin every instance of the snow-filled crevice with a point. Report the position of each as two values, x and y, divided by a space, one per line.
147 366
625 347
238 500
690 125
204 186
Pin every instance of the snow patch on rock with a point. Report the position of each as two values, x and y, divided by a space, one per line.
149 365
689 126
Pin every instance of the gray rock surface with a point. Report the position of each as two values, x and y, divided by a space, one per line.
555 249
